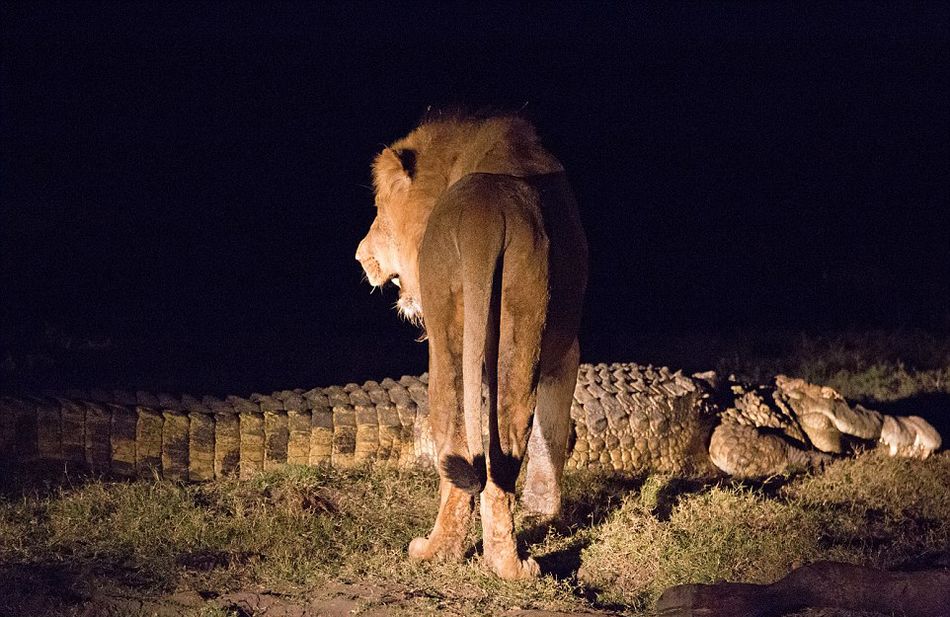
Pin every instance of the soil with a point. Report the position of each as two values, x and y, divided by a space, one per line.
53 590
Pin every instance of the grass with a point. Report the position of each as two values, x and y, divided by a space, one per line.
288 531
872 510
304 535
302 529
874 365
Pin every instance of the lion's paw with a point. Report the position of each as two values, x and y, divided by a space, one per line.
529 568
516 569
429 549
419 548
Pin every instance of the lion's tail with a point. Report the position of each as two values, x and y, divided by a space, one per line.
481 257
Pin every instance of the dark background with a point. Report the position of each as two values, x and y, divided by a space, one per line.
184 186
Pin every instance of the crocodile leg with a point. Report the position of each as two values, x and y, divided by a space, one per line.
752 452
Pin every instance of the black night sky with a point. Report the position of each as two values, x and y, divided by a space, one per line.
188 181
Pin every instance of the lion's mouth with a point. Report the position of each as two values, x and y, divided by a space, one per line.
394 280
376 277
407 305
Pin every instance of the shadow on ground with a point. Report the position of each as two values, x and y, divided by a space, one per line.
41 589
593 506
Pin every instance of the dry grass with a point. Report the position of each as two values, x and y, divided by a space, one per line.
869 366
301 532
289 532
284 529
301 529
872 510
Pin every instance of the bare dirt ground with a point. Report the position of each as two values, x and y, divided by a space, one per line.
51 591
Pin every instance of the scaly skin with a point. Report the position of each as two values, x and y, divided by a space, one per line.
626 418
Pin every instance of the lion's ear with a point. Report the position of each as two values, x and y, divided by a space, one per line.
395 164
394 169
407 158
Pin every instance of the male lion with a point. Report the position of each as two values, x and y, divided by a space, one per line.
477 225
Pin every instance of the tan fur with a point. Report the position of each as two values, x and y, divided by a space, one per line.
478 222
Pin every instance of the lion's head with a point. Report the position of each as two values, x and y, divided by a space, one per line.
388 252
410 175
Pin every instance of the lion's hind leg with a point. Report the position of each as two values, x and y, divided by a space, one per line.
498 535
522 316
507 444
447 538
547 446
446 541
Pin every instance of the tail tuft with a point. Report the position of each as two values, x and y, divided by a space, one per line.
470 477
504 471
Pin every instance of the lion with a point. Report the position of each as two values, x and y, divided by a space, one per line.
478 227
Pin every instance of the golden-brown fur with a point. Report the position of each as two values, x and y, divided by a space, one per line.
477 223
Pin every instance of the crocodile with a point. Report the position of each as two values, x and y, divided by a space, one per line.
626 418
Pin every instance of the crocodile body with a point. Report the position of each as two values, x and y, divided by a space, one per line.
626 417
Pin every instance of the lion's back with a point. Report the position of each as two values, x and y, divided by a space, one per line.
448 149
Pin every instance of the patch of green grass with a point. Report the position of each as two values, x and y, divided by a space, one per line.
867 365
299 529
727 533
293 527
872 510
885 383
887 511
288 531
